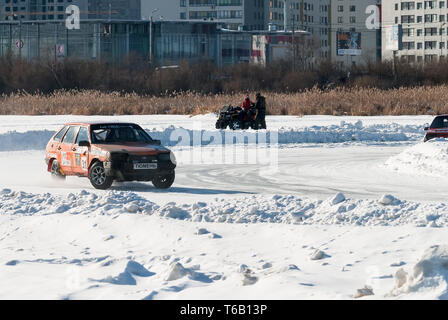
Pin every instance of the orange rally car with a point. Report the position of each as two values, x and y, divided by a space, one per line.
105 152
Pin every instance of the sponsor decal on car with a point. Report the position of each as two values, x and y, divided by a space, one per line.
65 159
84 163
77 159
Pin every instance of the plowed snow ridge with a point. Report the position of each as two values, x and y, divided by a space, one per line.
289 209
344 132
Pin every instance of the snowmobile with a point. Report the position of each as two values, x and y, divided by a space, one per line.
235 118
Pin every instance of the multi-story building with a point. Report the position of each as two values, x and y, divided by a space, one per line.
55 9
115 9
315 18
351 41
233 14
422 29
160 10
39 9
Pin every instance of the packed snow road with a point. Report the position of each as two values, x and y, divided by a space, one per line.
317 172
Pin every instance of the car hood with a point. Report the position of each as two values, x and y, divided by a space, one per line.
132 147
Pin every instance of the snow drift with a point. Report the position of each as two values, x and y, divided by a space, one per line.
255 209
179 136
429 275
427 158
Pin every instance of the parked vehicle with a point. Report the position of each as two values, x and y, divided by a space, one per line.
107 152
437 129
236 118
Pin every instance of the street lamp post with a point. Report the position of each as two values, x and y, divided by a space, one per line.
150 34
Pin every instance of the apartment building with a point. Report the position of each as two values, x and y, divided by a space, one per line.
422 28
115 9
234 14
351 41
55 9
38 9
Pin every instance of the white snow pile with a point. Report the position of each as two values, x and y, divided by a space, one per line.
30 140
178 136
429 275
344 132
428 158
19 202
255 209
127 277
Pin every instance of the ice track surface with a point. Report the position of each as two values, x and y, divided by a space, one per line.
316 172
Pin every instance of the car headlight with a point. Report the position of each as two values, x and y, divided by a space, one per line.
173 158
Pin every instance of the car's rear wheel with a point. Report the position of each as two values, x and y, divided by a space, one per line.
56 170
98 177
164 181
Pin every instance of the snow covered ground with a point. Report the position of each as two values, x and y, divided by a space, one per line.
354 207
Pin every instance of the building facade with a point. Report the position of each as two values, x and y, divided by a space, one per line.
55 9
111 41
232 14
310 16
351 41
39 9
422 30
160 10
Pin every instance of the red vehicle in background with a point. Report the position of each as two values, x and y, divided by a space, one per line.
107 152
437 129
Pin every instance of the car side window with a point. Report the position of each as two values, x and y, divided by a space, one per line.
83 135
70 135
60 134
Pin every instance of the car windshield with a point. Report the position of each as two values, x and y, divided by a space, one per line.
119 133
440 122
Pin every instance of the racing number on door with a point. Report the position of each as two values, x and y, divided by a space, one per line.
67 154
81 152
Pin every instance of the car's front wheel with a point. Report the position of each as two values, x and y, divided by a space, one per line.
98 177
164 181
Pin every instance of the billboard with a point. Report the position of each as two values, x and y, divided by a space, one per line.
348 43
393 35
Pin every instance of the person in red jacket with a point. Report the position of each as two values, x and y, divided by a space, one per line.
246 104
246 107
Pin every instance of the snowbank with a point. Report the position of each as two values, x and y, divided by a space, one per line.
427 158
30 140
255 209
429 275
179 136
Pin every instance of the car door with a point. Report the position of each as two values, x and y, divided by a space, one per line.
81 154
66 150
52 147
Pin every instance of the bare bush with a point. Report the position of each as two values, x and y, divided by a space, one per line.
339 101
134 87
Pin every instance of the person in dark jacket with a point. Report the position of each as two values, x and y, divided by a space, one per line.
260 105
